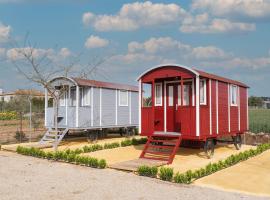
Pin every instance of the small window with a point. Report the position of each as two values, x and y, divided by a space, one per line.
179 94
233 95
62 100
158 94
170 88
85 94
146 95
73 96
123 98
203 92
186 95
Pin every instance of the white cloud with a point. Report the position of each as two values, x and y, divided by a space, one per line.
208 52
95 42
4 32
64 52
234 8
157 45
135 15
17 53
202 24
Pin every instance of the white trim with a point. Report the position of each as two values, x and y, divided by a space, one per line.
247 111
140 106
210 105
92 106
193 91
126 91
77 105
165 107
217 105
67 98
197 106
204 92
129 107
100 106
158 84
168 65
229 109
46 106
238 97
116 108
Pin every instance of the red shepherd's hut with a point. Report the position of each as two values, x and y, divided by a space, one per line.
180 103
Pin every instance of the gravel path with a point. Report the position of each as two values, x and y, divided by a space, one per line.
23 177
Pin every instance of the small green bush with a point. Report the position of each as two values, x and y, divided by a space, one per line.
126 142
111 145
148 171
180 178
102 164
166 173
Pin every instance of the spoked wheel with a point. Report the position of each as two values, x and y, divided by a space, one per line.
209 148
237 141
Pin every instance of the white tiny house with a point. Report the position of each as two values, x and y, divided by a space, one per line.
93 105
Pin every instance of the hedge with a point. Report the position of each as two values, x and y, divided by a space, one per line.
67 156
190 176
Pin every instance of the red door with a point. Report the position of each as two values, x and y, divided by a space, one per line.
172 107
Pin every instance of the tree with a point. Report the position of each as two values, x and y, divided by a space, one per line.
255 101
39 66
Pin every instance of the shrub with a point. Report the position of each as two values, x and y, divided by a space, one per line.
166 173
180 178
111 145
8 115
102 164
126 142
148 171
92 148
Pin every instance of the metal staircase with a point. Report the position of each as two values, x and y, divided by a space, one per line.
53 137
161 147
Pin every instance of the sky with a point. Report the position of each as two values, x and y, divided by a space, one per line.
225 37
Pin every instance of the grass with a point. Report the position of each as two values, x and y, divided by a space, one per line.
259 120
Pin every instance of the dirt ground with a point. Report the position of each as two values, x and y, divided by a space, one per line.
250 176
184 160
24 178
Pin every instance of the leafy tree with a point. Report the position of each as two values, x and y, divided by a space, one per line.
255 101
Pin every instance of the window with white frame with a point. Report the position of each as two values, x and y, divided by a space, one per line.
85 94
123 98
73 96
233 95
186 90
158 94
63 99
179 95
203 92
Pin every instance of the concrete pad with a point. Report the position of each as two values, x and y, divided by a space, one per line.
132 165
251 176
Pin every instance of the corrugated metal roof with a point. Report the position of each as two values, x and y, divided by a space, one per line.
102 84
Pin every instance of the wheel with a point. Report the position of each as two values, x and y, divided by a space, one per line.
237 141
209 148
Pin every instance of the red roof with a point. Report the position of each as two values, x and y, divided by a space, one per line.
220 78
94 83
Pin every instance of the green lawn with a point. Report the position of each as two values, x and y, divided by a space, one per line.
259 120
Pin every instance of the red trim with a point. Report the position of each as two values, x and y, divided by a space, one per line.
101 84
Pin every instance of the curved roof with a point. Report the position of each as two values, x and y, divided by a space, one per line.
168 65
197 73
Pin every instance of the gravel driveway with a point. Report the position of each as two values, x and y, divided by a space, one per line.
23 177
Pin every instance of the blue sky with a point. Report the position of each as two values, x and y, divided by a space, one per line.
229 38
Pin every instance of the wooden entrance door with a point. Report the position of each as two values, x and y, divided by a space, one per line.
172 107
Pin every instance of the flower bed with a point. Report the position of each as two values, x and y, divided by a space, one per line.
8 115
